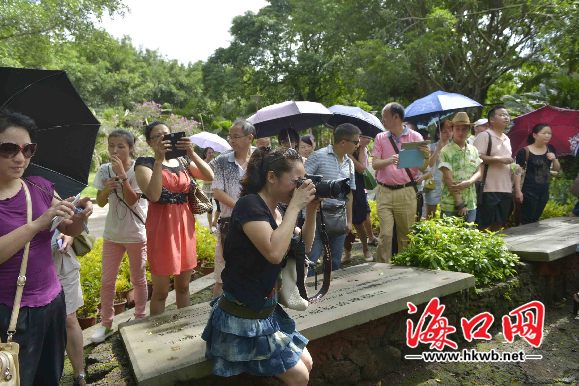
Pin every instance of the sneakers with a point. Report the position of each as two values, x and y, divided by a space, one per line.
368 256
100 334
373 241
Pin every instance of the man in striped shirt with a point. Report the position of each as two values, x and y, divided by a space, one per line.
333 163
396 192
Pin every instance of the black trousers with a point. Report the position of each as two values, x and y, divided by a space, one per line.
41 334
495 210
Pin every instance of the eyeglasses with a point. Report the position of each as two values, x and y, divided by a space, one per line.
10 150
234 137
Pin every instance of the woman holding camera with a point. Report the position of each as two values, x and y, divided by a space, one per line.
124 228
41 324
170 225
248 332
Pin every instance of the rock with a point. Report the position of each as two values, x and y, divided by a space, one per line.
341 373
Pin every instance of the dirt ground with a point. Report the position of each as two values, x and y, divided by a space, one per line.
107 363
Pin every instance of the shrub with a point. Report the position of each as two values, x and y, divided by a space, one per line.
205 244
451 244
374 216
554 209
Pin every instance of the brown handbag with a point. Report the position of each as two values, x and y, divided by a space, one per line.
9 368
199 203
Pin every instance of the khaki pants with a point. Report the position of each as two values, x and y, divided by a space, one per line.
394 207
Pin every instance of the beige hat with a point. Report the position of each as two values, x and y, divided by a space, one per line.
480 122
461 118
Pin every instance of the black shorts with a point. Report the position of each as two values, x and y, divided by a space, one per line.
495 210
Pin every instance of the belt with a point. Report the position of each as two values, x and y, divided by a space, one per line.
396 187
244 312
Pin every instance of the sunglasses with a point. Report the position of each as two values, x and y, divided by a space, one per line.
10 150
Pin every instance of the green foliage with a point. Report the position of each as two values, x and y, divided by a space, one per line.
90 279
554 209
374 216
205 244
451 244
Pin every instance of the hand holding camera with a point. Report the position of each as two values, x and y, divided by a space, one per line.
303 194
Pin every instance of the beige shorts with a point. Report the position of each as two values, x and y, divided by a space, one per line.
219 264
68 271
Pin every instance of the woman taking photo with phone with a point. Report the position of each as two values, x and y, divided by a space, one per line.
41 324
170 225
124 228
248 332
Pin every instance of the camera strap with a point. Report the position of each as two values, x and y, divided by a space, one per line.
123 201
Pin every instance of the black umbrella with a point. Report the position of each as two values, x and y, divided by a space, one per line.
299 115
369 124
67 129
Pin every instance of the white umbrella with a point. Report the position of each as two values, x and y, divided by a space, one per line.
297 115
205 139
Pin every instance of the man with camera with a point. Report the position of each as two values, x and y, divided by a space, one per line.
333 164
396 197
226 186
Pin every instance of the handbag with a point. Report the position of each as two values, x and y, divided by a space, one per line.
83 243
369 180
430 184
480 185
419 195
199 203
9 367
335 219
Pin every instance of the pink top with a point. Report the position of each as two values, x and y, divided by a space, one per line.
42 285
391 175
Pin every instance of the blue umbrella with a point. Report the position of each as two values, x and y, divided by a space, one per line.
369 124
437 103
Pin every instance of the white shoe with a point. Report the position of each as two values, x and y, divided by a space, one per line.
100 334
368 256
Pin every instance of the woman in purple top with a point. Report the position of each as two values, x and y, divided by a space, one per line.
41 327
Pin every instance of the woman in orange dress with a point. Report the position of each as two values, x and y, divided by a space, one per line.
170 225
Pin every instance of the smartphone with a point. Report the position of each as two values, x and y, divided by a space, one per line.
174 138
56 220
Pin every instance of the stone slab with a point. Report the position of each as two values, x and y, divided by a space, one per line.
168 348
195 286
546 240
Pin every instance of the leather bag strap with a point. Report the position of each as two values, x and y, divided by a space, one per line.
22 275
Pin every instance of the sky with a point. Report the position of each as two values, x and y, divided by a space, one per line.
186 30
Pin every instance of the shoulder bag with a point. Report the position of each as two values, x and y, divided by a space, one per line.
480 185
9 367
199 203
419 196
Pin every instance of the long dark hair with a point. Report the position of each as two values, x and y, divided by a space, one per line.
536 130
262 161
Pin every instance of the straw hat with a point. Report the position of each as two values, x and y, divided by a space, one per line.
461 118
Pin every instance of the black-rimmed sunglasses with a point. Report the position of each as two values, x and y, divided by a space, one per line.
10 150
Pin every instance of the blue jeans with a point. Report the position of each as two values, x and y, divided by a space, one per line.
470 215
336 248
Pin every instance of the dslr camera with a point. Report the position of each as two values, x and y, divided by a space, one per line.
337 189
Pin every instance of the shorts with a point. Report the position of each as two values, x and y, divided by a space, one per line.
68 271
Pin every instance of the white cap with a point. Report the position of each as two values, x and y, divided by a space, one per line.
480 122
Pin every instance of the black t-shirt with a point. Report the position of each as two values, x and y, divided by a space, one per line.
537 169
248 275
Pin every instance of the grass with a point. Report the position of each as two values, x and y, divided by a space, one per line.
90 190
